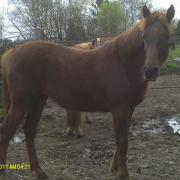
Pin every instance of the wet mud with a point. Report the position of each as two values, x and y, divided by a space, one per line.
154 146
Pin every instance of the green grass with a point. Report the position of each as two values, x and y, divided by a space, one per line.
174 54
2 114
171 65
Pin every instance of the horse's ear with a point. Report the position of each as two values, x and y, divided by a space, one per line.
146 11
170 13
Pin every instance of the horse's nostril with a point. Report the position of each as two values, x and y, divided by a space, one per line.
155 70
145 69
150 72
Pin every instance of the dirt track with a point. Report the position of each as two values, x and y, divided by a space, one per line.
154 151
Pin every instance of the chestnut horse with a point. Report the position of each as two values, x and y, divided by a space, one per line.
86 46
112 78
74 117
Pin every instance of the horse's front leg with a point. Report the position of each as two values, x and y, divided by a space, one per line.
121 120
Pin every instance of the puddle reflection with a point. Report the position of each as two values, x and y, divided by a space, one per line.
18 138
174 123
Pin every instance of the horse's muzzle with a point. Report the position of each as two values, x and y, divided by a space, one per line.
151 73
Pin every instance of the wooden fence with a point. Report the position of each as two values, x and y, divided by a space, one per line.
5 43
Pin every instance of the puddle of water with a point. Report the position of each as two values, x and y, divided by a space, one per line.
174 123
18 138
155 126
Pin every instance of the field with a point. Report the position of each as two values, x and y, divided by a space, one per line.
154 149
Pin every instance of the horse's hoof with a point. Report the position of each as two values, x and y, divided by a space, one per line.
69 132
41 174
114 167
79 133
74 132
88 121
122 176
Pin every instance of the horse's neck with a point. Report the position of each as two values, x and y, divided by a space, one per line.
130 42
130 49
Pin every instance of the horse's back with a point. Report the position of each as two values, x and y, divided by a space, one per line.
76 79
46 67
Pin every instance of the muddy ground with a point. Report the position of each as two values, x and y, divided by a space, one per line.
154 151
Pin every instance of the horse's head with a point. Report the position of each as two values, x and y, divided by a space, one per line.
156 40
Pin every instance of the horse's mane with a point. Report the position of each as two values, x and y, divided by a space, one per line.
124 42
128 41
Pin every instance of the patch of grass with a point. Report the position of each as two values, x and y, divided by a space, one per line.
174 54
171 64
2 112
170 67
2 115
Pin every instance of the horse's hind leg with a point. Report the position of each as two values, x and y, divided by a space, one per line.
73 122
30 126
7 130
87 119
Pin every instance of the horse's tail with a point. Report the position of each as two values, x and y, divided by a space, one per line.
5 92
5 88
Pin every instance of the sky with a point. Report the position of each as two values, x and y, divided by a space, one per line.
165 4
3 3
156 4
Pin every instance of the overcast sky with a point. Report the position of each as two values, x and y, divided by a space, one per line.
156 3
166 3
3 3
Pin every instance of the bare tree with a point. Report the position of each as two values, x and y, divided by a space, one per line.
1 24
133 9
51 18
30 16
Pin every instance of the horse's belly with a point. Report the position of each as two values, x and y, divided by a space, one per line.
86 108
83 104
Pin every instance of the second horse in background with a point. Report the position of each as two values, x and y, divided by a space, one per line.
74 117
